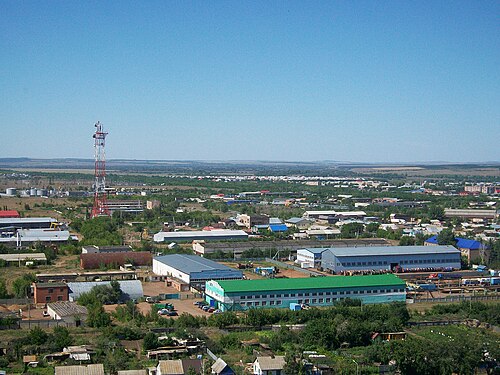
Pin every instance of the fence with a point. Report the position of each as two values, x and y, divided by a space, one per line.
16 301
29 324
458 298
285 265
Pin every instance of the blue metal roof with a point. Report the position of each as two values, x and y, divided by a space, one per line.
191 263
392 250
316 250
278 228
461 243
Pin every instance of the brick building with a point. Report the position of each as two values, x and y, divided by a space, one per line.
50 292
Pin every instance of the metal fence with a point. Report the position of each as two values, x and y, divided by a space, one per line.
458 298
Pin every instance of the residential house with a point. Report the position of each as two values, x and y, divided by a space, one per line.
95 369
221 368
179 366
269 365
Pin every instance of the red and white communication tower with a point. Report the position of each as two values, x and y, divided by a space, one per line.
100 202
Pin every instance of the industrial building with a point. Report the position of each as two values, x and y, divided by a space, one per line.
390 258
471 213
201 235
27 223
27 258
8 214
193 270
310 258
233 295
131 289
237 248
335 214
471 249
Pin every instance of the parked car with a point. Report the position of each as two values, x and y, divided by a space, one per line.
211 310
172 313
218 311
164 312
205 308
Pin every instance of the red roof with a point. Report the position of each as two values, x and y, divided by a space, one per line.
9 214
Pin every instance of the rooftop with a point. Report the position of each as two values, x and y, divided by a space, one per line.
271 363
461 243
327 282
66 308
17 220
191 263
96 369
202 233
392 250
23 257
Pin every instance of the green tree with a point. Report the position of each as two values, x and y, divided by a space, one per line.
351 230
62 338
22 285
150 341
3 290
97 317
37 336
446 237
406 241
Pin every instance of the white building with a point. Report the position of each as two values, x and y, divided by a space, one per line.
269 365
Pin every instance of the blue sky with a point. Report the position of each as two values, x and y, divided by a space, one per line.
377 81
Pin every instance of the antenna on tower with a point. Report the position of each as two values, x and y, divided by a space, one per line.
100 207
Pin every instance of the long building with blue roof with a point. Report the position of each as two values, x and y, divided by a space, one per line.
193 269
390 258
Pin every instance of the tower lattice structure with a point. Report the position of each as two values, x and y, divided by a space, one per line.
100 207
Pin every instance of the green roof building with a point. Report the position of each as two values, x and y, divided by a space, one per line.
233 295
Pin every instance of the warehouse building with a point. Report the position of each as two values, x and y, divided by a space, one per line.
237 248
470 213
27 222
390 258
205 235
193 270
310 258
233 295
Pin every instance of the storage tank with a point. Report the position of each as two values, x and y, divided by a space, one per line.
11 191
32 192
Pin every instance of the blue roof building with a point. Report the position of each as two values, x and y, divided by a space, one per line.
278 228
471 249
193 269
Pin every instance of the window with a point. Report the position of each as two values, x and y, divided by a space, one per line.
59 298
47 298
257 303
243 297
264 303
51 290
299 301
278 302
314 294
314 300
249 303
327 300
286 295
300 295
271 303
320 300
61 290
306 300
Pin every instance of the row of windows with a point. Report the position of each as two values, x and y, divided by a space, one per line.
279 302
51 290
385 263
347 292
49 298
